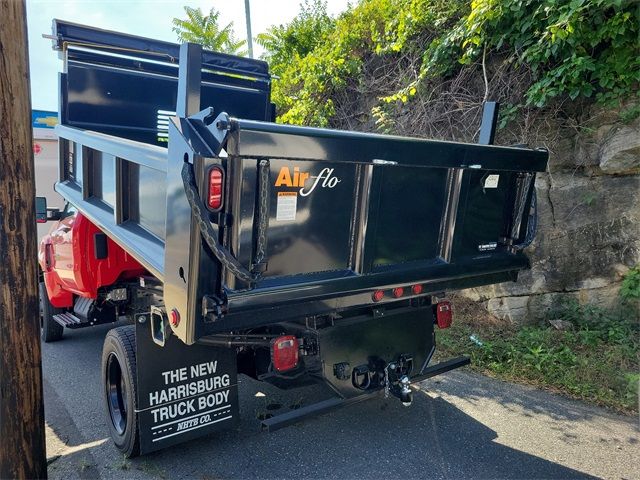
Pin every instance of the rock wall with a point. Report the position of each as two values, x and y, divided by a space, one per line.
588 223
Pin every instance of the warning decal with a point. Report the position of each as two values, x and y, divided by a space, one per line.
287 206
491 181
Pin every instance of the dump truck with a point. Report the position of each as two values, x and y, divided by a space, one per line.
225 243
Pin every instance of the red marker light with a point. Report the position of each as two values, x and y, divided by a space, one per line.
174 317
377 295
214 197
284 353
397 292
416 289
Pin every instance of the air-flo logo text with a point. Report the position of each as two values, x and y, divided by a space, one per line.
324 179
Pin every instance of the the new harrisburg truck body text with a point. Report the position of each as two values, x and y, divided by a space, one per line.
233 244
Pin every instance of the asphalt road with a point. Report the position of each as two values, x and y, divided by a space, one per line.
460 425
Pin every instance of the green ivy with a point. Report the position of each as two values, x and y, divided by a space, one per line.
575 48
630 288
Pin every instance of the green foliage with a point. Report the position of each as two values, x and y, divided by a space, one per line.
630 113
630 288
598 360
284 43
304 76
204 29
575 48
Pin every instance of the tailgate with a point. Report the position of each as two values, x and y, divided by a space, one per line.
349 213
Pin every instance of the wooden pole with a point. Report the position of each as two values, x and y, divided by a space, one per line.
22 443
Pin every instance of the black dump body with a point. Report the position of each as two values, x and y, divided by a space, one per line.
345 213
341 240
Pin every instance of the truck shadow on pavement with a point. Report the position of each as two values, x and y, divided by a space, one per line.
374 439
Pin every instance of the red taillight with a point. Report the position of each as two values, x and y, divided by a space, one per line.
397 292
284 353
377 295
416 289
214 197
444 314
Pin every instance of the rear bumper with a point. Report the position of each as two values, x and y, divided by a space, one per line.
326 406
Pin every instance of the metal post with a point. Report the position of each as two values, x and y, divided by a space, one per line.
189 80
247 13
22 441
489 122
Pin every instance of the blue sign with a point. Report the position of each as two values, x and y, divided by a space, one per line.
43 119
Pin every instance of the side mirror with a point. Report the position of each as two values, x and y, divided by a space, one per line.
44 214
41 209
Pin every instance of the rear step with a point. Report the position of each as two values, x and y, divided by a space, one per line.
68 320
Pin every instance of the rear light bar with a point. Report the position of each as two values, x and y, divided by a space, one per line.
215 190
397 292
285 353
444 314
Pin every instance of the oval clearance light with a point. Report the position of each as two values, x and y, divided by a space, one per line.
377 295
416 289
214 196
397 292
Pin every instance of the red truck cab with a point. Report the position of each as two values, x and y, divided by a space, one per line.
77 259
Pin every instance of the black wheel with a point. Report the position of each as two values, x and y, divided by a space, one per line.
50 330
119 381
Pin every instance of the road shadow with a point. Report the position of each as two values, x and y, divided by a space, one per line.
374 439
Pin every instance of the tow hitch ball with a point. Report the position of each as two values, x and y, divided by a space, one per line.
405 394
393 377
397 379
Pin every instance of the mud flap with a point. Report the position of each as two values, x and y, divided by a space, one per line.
183 392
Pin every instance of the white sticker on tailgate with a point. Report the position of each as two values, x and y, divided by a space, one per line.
492 181
287 206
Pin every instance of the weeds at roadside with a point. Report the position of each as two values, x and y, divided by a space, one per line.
125 464
152 469
84 464
597 359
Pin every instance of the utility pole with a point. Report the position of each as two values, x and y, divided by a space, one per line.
22 443
247 14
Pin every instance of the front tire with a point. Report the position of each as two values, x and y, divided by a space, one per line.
50 330
119 383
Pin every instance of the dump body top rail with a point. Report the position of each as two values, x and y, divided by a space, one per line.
271 140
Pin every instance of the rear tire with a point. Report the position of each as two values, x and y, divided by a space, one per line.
50 330
119 383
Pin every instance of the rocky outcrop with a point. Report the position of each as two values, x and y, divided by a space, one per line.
589 225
